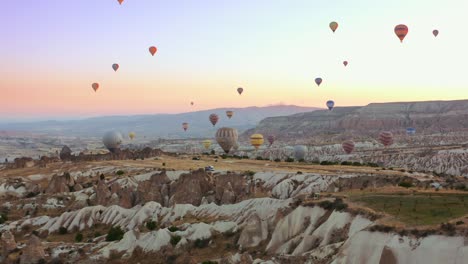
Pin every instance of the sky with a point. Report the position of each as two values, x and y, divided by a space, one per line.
53 50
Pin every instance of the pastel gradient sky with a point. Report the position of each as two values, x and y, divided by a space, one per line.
52 50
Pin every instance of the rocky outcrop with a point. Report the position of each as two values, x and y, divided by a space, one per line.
103 194
190 188
65 153
8 243
155 189
33 252
254 231
61 183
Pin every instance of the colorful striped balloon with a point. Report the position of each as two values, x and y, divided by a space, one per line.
348 146
214 119
386 138
401 31
226 138
256 140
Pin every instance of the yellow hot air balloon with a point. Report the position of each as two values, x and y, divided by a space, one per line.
256 140
206 144
229 114
131 135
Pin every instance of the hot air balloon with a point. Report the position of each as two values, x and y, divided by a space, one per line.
236 146
386 138
318 81
345 63
206 144
115 66
214 119
411 131
95 86
256 140
330 104
131 135
300 152
229 114
435 32
226 138
153 50
112 141
401 31
271 139
333 26
120 1
191 103
185 126
348 146
240 90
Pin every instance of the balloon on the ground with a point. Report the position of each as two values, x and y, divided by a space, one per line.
226 138
300 152
256 140
153 50
330 105
401 31
386 138
333 26
112 140
214 119
348 146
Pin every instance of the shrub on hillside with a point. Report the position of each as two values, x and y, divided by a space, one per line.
115 234
151 225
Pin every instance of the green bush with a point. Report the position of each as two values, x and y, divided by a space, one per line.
213 152
175 239
151 225
405 184
62 230
346 163
224 156
115 234
201 243
277 160
120 172
259 158
173 229
302 160
209 262
289 160
78 237
97 234
3 218
250 173
357 163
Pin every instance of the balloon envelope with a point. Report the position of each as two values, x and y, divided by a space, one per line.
330 104
386 138
131 135
115 66
120 1
401 31
95 86
229 114
345 63
333 26
185 126
256 140
226 138
206 143
153 50
318 81
112 140
435 32
191 103
348 146
214 119
240 90
300 152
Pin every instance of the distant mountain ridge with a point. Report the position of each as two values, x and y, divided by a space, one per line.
427 117
160 125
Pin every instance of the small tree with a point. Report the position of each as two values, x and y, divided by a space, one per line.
151 225
115 234
79 237
62 230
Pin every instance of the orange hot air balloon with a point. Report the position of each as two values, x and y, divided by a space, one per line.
153 50
256 140
120 1
333 26
185 126
345 63
401 31
229 114
214 119
115 66
95 86
435 32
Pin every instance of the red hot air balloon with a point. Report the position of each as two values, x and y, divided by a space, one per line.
153 50
348 146
214 119
401 31
345 63
271 139
435 32
95 86
185 126
240 90
386 138
115 66
120 1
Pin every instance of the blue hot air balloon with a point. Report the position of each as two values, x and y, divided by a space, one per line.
411 131
330 105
